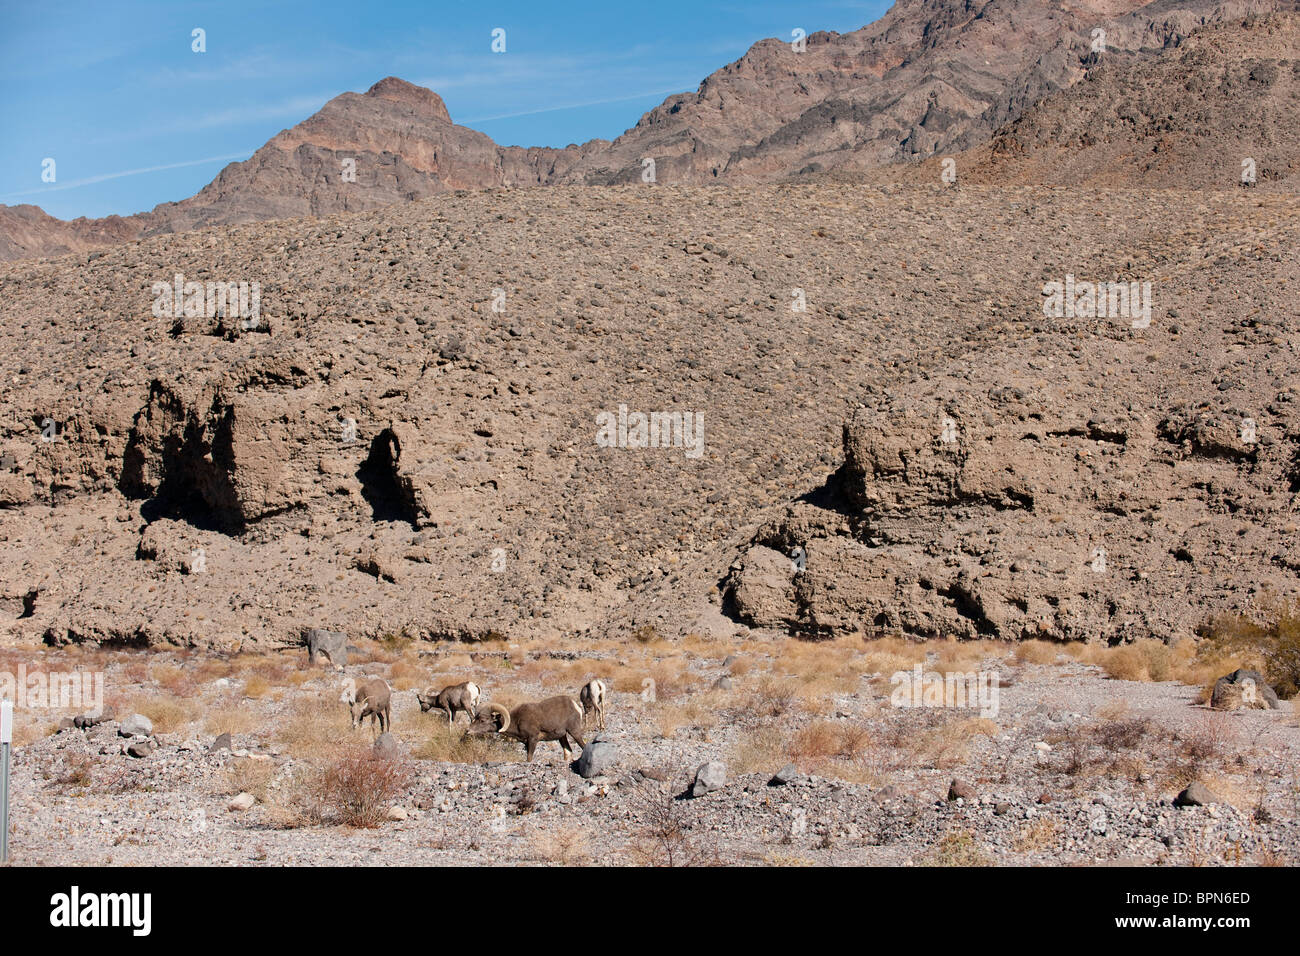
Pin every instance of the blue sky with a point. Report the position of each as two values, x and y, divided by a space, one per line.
105 88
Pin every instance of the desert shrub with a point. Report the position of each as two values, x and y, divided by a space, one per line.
770 698
354 789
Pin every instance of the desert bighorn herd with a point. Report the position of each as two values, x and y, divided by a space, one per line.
557 718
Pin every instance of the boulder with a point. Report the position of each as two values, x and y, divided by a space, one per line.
333 644
137 725
709 777
1197 794
1243 690
241 801
597 757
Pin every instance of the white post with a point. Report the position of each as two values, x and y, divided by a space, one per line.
6 738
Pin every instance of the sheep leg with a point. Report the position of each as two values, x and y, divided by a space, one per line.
530 744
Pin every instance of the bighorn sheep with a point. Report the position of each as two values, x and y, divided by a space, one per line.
592 697
451 700
556 718
369 698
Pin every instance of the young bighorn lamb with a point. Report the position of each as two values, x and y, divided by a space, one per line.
592 698
556 718
369 698
451 700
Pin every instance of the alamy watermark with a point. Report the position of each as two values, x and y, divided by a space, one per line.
970 689
1072 299
56 690
210 300
626 429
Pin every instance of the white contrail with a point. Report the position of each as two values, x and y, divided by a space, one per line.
573 106
129 172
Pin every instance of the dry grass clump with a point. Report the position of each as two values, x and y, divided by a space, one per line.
566 846
885 655
437 744
758 750
1150 660
229 719
1037 652
179 681
941 741
247 775
814 744
771 697
314 726
1040 835
957 848
167 714
28 730
404 674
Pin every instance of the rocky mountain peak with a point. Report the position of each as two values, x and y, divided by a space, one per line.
398 90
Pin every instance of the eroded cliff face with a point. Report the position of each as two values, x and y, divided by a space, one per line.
1077 488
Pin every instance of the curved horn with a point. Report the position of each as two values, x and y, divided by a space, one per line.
505 716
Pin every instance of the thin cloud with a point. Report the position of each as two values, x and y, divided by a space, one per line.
574 106
128 172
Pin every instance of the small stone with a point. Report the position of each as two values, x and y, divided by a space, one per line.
241 801
140 748
396 813
786 775
221 743
387 747
961 790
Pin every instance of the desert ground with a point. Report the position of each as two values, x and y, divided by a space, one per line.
1078 762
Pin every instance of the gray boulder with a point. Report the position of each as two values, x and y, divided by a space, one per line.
1243 689
597 757
387 747
333 644
221 743
137 725
709 777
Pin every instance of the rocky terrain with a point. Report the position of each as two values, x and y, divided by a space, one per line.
808 764
747 441
930 78
385 453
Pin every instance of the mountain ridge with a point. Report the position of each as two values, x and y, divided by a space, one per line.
929 77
